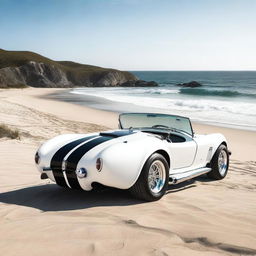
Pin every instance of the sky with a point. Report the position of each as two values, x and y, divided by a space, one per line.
135 34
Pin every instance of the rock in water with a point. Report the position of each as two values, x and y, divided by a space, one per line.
191 84
139 83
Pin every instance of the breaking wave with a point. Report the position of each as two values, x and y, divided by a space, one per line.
219 93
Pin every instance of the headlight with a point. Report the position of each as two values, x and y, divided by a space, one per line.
99 164
37 158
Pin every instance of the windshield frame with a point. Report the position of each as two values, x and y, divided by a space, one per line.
170 128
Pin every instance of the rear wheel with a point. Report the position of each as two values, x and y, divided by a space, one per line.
153 180
219 163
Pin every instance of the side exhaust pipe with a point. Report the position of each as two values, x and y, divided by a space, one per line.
43 176
180 177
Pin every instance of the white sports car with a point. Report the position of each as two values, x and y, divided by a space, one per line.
144 155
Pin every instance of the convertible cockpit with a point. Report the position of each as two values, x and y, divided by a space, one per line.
175 129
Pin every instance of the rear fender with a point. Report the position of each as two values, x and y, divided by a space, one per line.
122 162
50 147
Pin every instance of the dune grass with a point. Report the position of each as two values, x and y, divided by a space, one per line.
5 131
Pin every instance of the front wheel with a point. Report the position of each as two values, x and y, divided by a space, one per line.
219 163
153 180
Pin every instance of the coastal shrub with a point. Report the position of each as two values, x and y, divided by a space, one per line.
5 131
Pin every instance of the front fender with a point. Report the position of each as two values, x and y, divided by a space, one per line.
217 139
207 146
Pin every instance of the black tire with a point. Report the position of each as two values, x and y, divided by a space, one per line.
141 189
217 173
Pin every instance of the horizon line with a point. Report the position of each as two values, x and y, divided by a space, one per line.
191 70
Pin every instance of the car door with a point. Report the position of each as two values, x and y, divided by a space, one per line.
182 152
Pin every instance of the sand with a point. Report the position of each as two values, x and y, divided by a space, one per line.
198 217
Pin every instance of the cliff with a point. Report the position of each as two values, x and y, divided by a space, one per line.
21 68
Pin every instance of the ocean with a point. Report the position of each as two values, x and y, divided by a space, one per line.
227 98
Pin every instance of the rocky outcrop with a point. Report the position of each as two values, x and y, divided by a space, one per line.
46 75
191 84
23 68
11 77
139 83
112 78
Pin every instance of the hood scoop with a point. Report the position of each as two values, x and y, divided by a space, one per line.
117 134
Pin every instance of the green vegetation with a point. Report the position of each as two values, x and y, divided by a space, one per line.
5 131
19 58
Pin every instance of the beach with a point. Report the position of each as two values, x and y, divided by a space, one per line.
198 217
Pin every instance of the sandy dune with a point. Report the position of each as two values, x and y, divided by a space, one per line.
199 217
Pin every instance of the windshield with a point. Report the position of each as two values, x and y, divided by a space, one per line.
161 121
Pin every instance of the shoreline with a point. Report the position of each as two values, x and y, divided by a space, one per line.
242 143
101 103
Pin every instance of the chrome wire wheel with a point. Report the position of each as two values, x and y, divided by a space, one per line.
152 183
219 163
156 176
223 162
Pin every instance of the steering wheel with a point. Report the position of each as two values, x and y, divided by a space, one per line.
160 126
